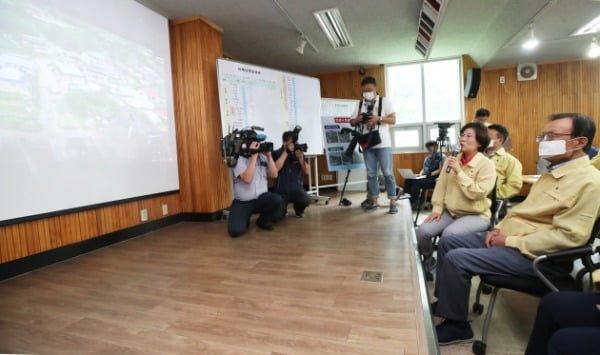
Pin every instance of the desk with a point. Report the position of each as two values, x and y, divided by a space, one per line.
530 179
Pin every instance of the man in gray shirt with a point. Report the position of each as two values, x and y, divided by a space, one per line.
250 192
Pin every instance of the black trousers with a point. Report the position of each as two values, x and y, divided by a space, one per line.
566 323
412 187
268 205
299 198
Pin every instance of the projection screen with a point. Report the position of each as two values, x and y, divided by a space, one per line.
86 105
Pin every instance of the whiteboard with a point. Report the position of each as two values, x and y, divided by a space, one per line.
251 95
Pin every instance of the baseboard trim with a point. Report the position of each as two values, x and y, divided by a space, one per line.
33 262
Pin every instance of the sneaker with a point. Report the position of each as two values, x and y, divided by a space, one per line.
299 215
429 264
454 332
371 205
393 209
365 203
264 225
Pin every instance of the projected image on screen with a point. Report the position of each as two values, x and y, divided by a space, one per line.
86 111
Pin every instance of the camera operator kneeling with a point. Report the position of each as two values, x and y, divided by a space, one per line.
250 192
292 166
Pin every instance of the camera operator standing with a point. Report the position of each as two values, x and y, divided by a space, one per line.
250 192
375 115
292 166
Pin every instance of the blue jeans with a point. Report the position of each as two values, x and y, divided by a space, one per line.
383 158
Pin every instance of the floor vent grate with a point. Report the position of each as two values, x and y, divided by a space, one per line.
372 276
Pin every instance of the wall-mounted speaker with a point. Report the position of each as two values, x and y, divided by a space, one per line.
527 71
472 85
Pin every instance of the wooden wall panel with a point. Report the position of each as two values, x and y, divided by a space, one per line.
204 178
523 107
29 238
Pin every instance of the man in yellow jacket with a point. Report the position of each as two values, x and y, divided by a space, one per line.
558 214
509 170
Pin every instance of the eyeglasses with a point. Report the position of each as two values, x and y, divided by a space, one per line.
464 135
549 136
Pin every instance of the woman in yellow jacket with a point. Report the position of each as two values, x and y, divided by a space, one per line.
460 202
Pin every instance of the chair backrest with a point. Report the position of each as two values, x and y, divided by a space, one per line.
595 231
495 207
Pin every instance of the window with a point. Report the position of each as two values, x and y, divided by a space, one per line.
424 94
407 137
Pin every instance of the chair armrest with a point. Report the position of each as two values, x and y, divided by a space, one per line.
570 254
573 253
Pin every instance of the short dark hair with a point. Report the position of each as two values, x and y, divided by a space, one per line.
286 135
481 134
502 131
482 112
583 126
368 80
431 144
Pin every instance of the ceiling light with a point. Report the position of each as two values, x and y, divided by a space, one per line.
594 51
589 28
333 26
531 42
300 48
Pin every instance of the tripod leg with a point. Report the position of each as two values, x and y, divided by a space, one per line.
344 188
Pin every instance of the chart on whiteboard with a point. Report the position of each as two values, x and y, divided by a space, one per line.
244 98
271 99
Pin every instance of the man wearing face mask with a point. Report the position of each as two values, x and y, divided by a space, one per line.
374 117
508 168
431 169
558 214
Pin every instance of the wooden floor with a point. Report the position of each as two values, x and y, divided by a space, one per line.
191 289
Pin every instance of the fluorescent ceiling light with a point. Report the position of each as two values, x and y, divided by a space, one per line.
594 51
531 42
333 26
589 28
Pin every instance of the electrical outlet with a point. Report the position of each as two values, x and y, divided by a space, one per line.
165 209
144 215
502 79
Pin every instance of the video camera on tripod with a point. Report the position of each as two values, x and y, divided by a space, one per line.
238 143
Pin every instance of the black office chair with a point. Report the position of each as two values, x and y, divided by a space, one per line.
540 285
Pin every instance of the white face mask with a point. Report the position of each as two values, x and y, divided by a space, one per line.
369 95
491 145
547 149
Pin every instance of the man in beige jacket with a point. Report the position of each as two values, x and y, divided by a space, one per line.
558 214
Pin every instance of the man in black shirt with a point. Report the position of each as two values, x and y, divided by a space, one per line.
292 167
427 176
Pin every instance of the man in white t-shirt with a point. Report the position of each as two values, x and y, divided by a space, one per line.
374 118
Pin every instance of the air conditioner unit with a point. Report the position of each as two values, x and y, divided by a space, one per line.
527 71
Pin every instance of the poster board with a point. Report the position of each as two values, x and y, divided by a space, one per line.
336 115
277 101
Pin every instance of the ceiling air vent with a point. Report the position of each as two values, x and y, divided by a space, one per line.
429 18
527 71
332 24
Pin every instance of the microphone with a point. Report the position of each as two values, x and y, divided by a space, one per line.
454 154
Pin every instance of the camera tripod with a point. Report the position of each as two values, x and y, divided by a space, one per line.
443 142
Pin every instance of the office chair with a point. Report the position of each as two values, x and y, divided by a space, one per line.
540 285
